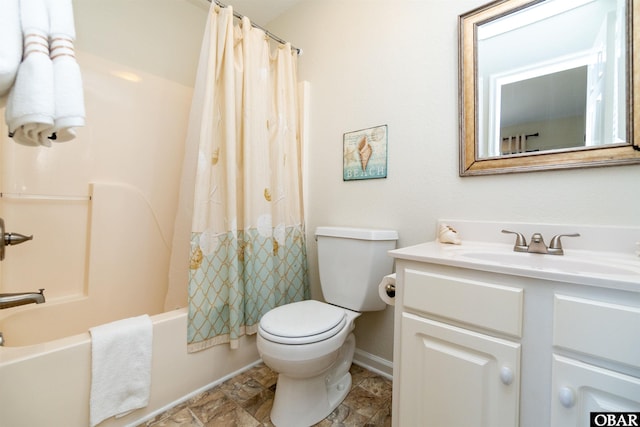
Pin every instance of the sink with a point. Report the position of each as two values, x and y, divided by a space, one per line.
603 256
564 263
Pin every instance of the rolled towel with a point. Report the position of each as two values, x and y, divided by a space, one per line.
10 43
30 105
68 94
61 18
46 101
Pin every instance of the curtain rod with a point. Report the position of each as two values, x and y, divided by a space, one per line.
267 32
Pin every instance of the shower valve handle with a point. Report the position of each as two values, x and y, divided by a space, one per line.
15 238
10 239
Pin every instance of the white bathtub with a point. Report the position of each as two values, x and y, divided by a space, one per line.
48 384
45 365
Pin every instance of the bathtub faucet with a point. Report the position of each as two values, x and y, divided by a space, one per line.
21 298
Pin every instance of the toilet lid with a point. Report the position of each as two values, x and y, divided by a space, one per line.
302 322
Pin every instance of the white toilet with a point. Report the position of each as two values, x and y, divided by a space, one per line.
309 343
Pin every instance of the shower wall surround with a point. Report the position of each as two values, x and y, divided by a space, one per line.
137 102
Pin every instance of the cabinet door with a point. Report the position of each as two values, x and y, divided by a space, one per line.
580 388
451 377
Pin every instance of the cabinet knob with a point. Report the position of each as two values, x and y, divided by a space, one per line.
506 375
567 397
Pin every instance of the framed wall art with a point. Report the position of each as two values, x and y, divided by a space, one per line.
365 154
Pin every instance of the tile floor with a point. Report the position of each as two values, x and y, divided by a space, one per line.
245 401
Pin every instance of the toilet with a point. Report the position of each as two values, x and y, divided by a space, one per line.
310 344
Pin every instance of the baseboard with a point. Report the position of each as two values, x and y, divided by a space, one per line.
374 363
193 394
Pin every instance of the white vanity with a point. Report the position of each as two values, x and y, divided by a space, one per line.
485 336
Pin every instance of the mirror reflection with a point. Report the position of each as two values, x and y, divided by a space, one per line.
552 77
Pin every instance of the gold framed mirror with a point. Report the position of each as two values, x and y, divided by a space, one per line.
548 84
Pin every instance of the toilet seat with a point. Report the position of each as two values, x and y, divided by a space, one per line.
303 322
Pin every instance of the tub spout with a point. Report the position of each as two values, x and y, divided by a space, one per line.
21 298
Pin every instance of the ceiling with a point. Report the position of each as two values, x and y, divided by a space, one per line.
260 12
142 34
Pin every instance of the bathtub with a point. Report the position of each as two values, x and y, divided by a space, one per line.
45 364
48 384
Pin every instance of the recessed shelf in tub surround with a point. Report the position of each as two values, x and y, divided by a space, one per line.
48 197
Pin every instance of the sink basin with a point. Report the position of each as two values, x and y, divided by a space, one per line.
562 264
603 256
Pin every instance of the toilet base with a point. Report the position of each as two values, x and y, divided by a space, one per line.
305 401
290 409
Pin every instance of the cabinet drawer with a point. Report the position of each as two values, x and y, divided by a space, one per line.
493 307
609 331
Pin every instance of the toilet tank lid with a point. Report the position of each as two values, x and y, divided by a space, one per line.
357 233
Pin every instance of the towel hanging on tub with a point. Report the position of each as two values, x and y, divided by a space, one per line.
120 367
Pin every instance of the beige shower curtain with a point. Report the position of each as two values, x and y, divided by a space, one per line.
241 185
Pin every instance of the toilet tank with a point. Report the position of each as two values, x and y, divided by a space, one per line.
352 262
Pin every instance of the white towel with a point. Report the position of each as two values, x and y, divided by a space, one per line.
30 106
46 100
120 367
67 80
10 43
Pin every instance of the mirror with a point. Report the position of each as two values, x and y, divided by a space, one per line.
548 84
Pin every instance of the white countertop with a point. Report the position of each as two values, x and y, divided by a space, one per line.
603 269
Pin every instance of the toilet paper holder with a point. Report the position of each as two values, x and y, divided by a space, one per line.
390 290
387 289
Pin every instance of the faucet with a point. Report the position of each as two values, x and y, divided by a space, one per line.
21 298
537 245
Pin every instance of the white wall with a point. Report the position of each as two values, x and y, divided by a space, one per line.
372 62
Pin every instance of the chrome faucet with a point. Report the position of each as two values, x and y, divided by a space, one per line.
21 298
537 245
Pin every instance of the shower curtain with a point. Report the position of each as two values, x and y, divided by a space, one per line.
247 248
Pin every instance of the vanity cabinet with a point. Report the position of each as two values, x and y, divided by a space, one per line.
458 374
596 359
485 348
